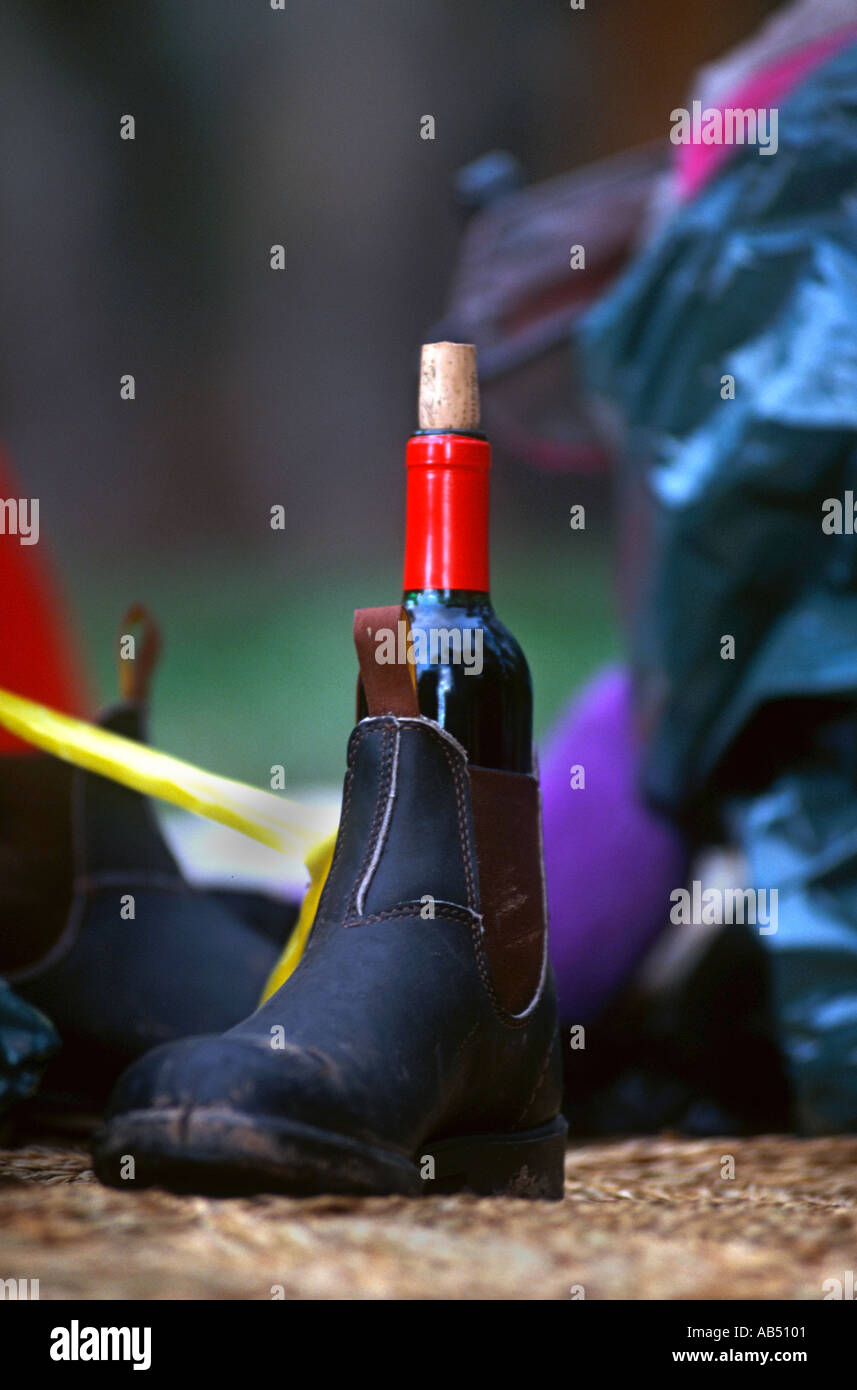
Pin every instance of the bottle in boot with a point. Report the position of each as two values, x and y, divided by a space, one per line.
472 677
414 1049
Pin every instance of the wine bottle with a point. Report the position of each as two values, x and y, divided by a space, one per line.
472 677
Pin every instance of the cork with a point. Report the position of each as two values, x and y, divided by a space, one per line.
449 387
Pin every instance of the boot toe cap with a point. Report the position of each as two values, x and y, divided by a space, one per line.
202 1071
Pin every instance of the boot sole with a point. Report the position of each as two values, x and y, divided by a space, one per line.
220 1153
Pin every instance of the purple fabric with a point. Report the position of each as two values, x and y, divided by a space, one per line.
610 863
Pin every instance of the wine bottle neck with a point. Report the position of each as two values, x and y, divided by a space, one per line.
472 600
446 545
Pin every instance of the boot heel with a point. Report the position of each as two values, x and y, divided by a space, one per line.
530 1164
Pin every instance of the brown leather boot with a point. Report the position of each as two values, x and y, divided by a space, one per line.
415 1047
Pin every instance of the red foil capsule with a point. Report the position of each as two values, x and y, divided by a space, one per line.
446 536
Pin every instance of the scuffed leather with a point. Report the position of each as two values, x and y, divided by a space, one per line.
391 1030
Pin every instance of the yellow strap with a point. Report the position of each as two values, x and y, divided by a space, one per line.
318 862
261 815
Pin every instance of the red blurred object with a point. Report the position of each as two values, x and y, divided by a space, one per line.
446 543
37 655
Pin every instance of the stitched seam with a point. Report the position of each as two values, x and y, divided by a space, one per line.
484 973
431 727
513 1020
458 780
458 776
458 784
521 1017
475 919
444 912
365 882
377 819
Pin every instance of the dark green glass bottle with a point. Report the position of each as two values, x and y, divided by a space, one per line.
485 700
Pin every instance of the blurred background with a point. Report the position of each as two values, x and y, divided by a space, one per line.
254 387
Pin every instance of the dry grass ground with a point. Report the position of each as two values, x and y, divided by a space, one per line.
643 1219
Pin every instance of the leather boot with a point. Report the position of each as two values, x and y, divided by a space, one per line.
100 930
414 1050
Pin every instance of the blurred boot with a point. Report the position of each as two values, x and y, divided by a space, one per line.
98 927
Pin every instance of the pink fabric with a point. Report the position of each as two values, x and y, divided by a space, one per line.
696 164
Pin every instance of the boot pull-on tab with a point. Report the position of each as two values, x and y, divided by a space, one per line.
136 667
385 653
